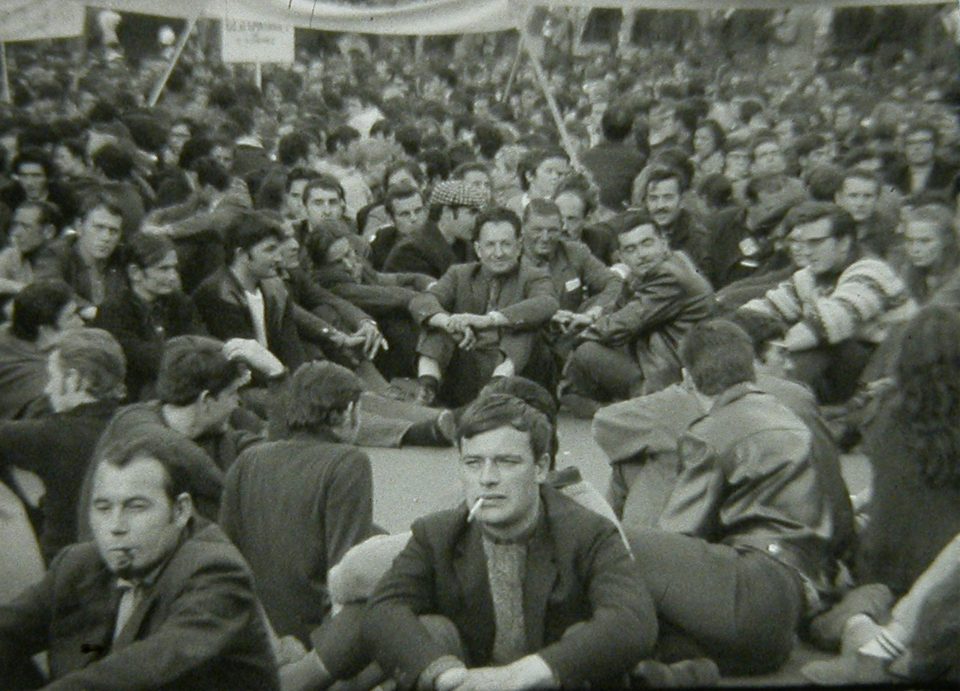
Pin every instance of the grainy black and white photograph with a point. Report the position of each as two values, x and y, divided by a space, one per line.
465 345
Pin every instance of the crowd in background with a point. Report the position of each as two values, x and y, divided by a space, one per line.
422 219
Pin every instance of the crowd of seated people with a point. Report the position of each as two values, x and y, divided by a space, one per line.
215 307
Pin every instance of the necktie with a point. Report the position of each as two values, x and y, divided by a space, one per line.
493 296
128 601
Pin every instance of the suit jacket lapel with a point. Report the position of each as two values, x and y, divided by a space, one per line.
470 566
100 600
128 634
541 574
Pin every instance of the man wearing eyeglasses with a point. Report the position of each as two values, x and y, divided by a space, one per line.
924 170
834 311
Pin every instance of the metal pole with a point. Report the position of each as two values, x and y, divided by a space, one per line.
258 76
554 109
178 51
513 72
7 98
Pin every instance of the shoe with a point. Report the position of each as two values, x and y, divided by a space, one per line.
679 675
849 669
439 431
426 391
446 424
580 406
402 389
827 630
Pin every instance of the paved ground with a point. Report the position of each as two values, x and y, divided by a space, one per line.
409 483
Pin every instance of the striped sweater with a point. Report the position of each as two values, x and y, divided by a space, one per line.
866 299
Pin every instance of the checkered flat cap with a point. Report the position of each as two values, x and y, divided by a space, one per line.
456 193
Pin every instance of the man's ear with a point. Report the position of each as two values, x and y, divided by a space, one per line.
74 381
846 244
49 232
543 467
182 509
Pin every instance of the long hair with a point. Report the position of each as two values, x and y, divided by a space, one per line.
943 268
927 408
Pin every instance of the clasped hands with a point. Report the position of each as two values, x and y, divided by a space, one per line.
463 326
367 338
572 322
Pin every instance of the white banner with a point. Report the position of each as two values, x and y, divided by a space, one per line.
402 17
29 20
248 39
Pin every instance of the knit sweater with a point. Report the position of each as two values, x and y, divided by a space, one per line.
866 298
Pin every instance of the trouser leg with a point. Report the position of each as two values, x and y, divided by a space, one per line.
741 609
602 373
833 372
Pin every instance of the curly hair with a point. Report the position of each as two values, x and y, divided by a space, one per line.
928 404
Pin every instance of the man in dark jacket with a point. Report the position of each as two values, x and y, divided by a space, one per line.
662 196
632 348
445 238
157 600
41 312
482 318
89 261
613 163
294 506
743 551
246 299
519 587
85 384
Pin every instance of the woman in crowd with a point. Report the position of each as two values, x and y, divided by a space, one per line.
909 546
930 253
708 140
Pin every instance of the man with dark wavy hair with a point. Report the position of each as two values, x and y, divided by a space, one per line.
518 587
295 505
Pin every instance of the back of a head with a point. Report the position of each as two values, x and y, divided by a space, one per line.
192 365
928 394
115 163
316 393
616 122
38 304
716 190
824 181
97 357
717 354
931 353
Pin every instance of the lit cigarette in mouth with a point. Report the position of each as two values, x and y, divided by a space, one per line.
474 510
